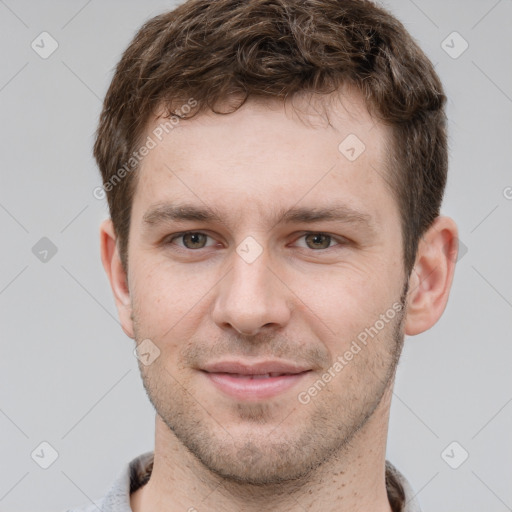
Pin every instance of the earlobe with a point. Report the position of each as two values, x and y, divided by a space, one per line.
116 275
432 276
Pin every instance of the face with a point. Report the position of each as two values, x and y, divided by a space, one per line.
257 238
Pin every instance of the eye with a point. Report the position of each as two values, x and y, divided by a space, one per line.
192 240
316 241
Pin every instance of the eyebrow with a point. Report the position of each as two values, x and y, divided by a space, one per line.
168 212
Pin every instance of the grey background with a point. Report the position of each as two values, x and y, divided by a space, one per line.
68 373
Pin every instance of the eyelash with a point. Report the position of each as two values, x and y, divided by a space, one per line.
341 241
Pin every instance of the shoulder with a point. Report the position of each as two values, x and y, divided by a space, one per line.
117 498
400 493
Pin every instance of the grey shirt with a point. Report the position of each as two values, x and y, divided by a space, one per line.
136 474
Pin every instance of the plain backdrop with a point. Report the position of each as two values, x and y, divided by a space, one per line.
68 374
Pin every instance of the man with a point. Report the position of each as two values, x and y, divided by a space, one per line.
274 171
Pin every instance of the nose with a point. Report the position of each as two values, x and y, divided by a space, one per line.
251 297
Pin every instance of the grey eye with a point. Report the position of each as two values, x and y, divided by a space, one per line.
194 240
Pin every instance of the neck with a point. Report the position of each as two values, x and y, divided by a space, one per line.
353 479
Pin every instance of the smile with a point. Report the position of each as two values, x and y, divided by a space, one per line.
253 387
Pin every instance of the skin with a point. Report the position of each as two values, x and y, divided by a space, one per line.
304 300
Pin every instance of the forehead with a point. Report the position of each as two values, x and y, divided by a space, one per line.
305 116
267 153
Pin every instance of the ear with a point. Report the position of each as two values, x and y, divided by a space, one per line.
116 275
431 278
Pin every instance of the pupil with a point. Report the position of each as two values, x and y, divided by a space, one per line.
318 238
195 238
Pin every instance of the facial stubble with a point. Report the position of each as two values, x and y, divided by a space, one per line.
271 443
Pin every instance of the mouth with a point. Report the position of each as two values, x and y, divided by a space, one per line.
252 384
256 376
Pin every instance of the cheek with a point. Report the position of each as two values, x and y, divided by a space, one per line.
169 300
344 312
156 297
343 300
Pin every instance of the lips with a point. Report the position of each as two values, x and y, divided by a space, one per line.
254 381
257 376
259 368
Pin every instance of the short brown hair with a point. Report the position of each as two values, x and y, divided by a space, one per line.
213 51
